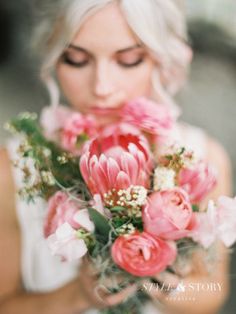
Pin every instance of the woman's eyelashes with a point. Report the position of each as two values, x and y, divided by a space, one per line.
73 62
133 62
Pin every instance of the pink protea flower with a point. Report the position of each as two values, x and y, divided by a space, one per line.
77 130
116 162
197 180
152 118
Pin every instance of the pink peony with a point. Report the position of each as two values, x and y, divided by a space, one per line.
150 117
119 128
140 254
197 181
77 129
61 209
168 214
52 120
65 244
218 222
116 162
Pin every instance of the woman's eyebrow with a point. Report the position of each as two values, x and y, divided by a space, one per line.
129 48
78 48
81 49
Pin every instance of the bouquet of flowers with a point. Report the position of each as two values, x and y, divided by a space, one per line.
126 195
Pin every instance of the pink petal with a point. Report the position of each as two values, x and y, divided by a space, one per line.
122 181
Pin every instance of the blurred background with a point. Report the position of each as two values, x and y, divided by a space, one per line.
208 100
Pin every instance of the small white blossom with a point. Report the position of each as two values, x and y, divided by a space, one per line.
132 199
126 229
46 152
48 178
164 178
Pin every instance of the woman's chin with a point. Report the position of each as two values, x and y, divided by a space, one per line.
105 120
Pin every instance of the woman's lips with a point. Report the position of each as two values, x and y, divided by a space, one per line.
103 111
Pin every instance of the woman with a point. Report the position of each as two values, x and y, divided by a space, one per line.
102 53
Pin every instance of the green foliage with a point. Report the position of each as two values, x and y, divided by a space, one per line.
195 208
48 156
102 227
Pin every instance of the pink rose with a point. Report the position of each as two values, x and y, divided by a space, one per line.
218 222
52 120
197 181
61 209
78 128
168 214
150 117
66 244
116 162
140 254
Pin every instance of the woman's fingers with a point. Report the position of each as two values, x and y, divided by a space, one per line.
167 279
161 285
104 298
99 292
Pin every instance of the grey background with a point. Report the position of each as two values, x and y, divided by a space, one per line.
208 100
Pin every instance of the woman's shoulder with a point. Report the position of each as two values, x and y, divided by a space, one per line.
7 188
219 158
9 229
6 179
213 152
197 135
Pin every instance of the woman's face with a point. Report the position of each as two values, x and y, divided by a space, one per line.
105 65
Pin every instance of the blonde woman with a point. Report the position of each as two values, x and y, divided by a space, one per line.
98 54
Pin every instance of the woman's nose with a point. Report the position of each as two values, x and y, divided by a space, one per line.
103 81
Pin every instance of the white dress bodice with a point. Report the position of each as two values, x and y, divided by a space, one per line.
42 272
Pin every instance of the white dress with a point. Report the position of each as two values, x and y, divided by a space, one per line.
42 272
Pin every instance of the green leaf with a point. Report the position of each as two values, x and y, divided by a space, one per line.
117 209
102 226
195 208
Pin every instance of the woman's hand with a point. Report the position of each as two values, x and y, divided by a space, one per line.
97 295
202 288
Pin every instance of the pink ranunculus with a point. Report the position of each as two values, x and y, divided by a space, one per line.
52 120
66 244
78 128
197 181
116 161
218 222
153 118
168 214
61 209
141 254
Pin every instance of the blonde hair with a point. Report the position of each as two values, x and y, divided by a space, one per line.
159 24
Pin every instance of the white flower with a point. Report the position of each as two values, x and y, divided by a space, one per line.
83 219
164 178
218 222
66 244
48 178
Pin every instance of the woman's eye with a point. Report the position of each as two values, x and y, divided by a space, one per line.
73 62
129 60
131 64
